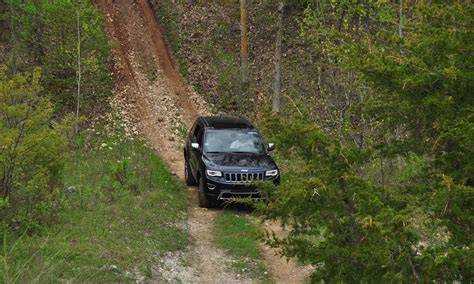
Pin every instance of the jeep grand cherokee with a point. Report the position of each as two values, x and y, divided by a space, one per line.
224 155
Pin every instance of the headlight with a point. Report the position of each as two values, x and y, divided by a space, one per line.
272 173
213 173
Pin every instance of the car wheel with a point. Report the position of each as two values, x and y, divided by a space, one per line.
188 176
204 200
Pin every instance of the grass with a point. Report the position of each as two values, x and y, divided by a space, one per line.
123 209
239 237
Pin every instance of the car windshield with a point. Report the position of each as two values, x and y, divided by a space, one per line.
233 141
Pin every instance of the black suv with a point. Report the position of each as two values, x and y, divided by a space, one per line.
224 155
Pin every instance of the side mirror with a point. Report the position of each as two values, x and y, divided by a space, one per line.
271 147
195 146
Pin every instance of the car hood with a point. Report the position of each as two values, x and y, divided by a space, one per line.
227 161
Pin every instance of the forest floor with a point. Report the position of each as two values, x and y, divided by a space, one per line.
154 100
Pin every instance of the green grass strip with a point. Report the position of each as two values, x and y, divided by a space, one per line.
122 210
239 238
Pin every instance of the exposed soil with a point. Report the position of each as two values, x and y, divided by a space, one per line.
153 100
283 270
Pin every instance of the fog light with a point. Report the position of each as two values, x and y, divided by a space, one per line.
211 186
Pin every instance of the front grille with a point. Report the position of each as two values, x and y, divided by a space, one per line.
242 177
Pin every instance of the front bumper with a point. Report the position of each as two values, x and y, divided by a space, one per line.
222 190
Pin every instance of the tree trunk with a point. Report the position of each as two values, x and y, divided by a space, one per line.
400 16
244 43
277 83
400 33
13 39
79 71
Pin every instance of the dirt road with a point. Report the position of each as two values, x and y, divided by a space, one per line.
154 100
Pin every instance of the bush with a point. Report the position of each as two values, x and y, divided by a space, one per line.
105 231
353 228
32 147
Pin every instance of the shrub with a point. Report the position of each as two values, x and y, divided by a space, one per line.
32 147
353 228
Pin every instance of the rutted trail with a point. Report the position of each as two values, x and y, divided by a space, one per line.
150 93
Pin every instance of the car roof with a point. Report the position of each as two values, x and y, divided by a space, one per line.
226 122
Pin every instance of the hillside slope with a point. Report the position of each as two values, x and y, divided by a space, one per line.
205 38
151 94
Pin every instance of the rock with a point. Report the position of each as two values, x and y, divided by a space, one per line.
71 189
114 269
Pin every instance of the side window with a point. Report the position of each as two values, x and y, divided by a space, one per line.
199 136
197 133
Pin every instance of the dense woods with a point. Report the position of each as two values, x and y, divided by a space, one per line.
370 103
375 128
355 214
45 34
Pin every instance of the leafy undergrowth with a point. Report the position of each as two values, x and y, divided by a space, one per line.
123 210
239 237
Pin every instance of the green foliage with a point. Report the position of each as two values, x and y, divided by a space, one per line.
32 147
3 203
167 18
228 79
47 36
236 233
425 85
355 229
417 226
103 226
420 66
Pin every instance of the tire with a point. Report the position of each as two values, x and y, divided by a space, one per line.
188 176
204 200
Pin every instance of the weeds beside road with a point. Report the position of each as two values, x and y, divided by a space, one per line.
123 209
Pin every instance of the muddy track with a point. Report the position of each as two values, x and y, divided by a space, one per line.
153 99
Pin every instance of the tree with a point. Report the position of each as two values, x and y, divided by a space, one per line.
47 40
277 82
244 44
417 225
32 151
427 89
79 63
13 40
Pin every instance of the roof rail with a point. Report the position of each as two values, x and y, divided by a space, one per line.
246 120
204 121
